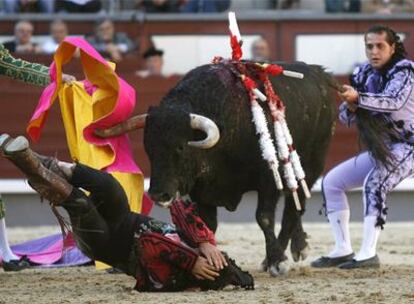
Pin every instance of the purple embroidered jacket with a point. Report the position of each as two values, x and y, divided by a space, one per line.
391 93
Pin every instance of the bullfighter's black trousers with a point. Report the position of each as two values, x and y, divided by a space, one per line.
102 222
106 230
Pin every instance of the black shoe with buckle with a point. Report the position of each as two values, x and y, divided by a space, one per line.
324 262
231 274
373 262
16 265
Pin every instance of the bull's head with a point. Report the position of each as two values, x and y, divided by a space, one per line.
170 138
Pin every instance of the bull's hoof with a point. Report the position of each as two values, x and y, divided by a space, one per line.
301 255
276 268
299 247
282 268
263 266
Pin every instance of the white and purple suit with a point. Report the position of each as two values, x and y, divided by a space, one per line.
391 94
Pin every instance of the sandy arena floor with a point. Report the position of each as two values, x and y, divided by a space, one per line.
392 283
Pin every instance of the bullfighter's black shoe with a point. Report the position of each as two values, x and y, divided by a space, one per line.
16 265
373 262
230 275
324 262
239 277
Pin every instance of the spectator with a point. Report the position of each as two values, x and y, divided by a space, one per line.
29 6
205 6
158 6
388 6
154 63
260 50
338 6
58 32
111 44
78 6
22 42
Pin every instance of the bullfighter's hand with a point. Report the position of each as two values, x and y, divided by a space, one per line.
349 94
68 78
213 255
351 106
203 270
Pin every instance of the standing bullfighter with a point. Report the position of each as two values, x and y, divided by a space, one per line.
160 256
381 102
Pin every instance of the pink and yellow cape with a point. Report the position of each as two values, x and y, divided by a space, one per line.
102 100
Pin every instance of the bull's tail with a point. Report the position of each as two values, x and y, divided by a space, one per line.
321 74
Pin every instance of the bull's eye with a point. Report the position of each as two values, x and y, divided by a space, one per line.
179 149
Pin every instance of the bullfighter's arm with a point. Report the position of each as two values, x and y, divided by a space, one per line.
345 115
184 215
32 73
397 92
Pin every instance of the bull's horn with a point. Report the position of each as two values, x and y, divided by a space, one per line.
209 127
135 122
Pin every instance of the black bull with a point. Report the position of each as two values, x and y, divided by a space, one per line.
220 175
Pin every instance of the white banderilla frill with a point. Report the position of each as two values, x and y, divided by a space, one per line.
266 143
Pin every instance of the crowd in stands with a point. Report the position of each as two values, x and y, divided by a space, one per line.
115 45
204 6
111 44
